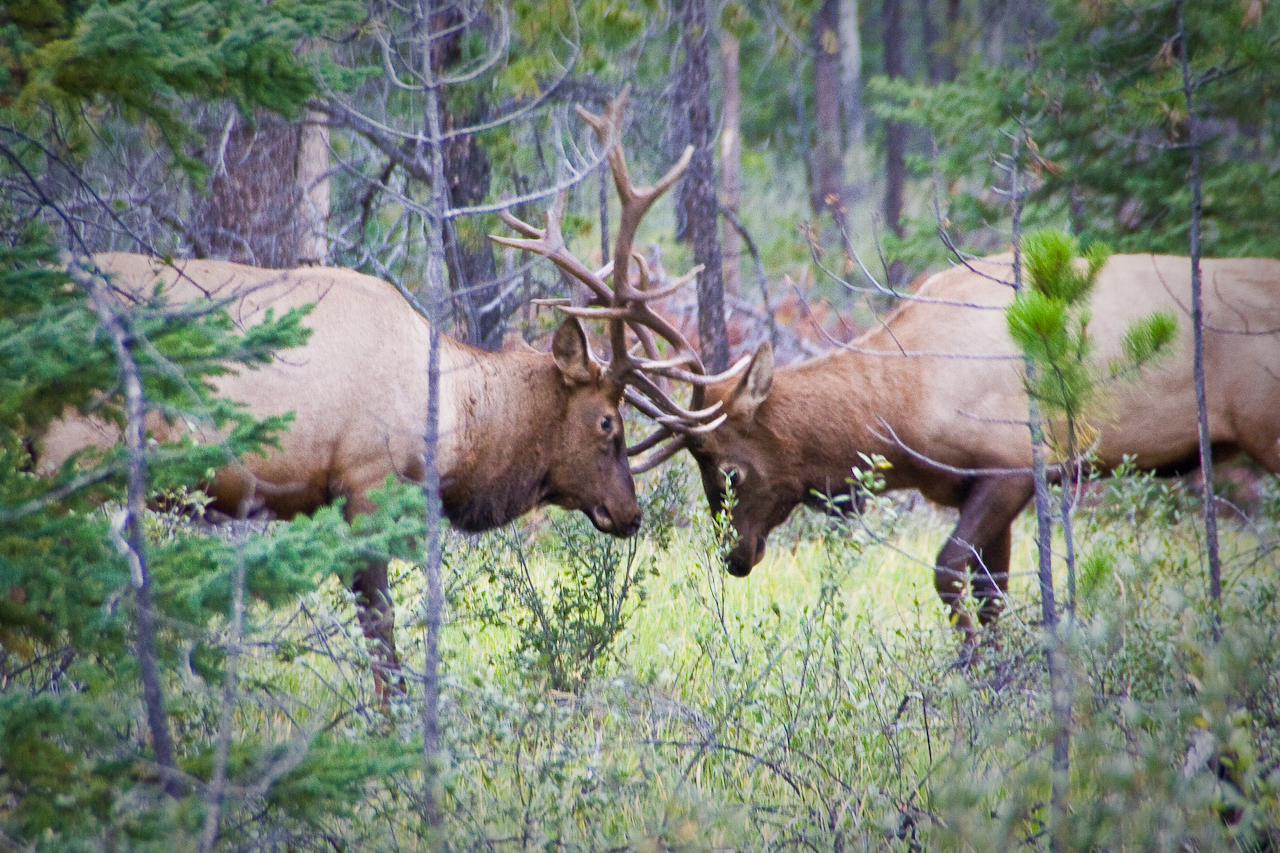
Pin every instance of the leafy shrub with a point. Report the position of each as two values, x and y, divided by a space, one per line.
563 632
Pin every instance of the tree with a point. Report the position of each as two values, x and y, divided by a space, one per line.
1111 150
895 135
697 206
826 169
730 156
851 95
101 617
267 200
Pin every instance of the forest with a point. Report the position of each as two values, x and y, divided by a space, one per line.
611 425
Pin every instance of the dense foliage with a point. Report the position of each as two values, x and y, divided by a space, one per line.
603 694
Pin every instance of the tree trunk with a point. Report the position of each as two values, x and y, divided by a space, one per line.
929 43
951 53
433 603
827 180
895 142
473 270
855 120
730 156
691 105
313 182
1197 326
257 210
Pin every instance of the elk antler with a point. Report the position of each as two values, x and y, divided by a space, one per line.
625 306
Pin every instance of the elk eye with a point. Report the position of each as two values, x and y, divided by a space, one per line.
606 424
732 476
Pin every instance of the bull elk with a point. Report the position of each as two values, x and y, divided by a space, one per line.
938 390
518 429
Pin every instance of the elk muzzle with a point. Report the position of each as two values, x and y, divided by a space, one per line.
622 521
744 556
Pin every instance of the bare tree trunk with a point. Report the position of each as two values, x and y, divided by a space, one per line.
730 157
827 189
697 193
435 225
251 213
473 270
313 181
855 120
951 55
133 546
929 47
895 142
1197 324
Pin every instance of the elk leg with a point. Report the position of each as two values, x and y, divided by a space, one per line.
378 620
981 546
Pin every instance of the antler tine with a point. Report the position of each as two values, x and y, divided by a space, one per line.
698 379
653 439
660 456
658 405
647 295
625 306
549 242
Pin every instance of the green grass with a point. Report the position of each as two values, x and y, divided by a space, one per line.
820 701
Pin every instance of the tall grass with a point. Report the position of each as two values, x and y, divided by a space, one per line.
821 703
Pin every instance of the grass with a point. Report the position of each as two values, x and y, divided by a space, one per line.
820 702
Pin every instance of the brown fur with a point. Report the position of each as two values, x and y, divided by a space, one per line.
517 429
946 381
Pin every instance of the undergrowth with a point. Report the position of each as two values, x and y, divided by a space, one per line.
627 694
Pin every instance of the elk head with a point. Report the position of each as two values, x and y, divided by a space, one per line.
593 450
733 460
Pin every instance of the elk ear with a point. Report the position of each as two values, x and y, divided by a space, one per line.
754 387
572 354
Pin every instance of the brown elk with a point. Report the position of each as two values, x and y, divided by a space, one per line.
938 390
518 429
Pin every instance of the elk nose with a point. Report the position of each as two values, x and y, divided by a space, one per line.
605 522
633 526
740 561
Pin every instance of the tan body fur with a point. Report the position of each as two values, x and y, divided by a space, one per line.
517 429
943 383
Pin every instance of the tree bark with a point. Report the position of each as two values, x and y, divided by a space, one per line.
730 157
951 54
258 210
895 143
691 103
313 181
929 43
433 604
827 179
1197 325
473 270
855 120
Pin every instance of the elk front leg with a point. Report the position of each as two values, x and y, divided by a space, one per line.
378 620
980 546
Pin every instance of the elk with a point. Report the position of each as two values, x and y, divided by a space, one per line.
518 429
938 390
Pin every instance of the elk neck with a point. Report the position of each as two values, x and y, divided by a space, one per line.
498 416
820 414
